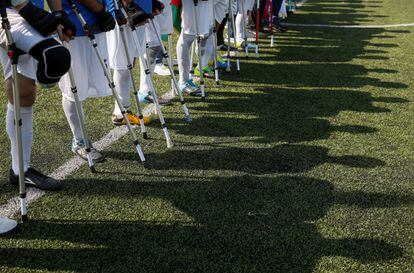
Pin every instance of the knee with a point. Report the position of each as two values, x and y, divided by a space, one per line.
27 89
53 61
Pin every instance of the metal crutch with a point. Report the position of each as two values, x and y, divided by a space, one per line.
79 113
173 78
200 62
147 70
12 52
111 84
246 48
216 68
234 37
130 67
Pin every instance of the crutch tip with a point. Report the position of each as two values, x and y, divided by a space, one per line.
92 169
144 135
145 164
25 218
217 82
170 144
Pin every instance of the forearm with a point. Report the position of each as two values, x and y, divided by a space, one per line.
92 5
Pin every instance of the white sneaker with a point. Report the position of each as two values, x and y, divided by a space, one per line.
162 70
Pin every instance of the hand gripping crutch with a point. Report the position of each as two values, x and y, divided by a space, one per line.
145 61
246 48
14 59
200 59
257 27
170 67
272 26
111 84
216 68
121 22
79 113
234 36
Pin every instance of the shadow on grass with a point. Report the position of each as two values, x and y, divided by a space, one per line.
239 224
282 114
281 158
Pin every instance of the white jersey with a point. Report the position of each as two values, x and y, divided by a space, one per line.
116 51
89 76
205 20
220 9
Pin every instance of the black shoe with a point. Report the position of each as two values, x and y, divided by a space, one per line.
34 178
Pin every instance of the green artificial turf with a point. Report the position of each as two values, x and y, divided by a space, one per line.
303 162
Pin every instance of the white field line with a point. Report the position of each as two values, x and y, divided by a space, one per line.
349 26
12 207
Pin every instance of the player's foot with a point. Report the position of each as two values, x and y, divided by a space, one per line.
34 178
221 63
207 72
242 45
162 70
190 88
148 98
78 147
133 119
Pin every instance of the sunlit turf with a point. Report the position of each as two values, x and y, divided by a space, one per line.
303 162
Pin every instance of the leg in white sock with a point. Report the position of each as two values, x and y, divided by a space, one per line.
239 27
183 55
206 49
26 115
70 113
122 82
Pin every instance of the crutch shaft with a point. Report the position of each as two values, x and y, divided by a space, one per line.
14 59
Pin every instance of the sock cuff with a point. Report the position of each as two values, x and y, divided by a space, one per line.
26 110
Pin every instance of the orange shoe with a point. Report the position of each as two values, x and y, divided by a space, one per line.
133 119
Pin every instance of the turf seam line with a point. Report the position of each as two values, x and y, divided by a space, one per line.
12 207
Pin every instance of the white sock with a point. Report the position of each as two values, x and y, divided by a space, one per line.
122 82
206 49
145 80
26 115
70 113
239 27
144 85
183 56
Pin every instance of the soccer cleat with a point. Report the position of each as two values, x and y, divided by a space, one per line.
221 63
190 88
133 119
34 178
162 70
207 72
148 98
78 147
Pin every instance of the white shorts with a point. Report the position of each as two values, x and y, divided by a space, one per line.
205 19
248 5
116 51
150 34
165 19
25 37
89 77
220 9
